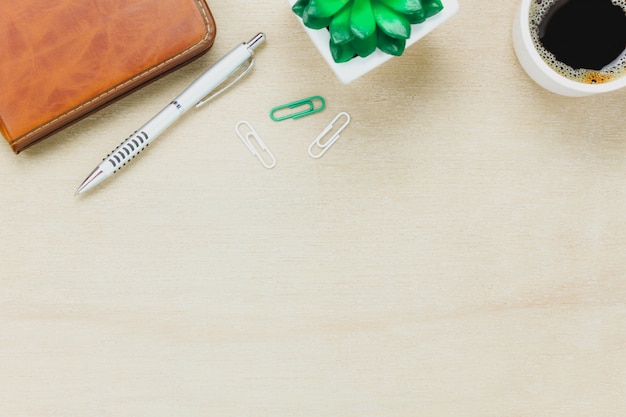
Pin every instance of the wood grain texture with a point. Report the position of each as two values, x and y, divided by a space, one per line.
458 252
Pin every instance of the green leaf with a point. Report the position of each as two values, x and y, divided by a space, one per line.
404 6
315 22
342 53
340 26
416 17
325 8
391 22
362 22
389 45
299 6
432 7
365 47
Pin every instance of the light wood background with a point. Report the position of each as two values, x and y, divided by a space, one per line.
460 251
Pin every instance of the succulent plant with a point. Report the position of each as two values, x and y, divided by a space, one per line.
359 27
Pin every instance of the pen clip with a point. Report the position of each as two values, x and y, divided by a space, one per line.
243 72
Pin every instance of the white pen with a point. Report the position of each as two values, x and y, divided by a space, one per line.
194 96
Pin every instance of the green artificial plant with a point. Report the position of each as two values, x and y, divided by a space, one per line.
358 27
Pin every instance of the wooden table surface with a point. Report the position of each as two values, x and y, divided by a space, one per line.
460 251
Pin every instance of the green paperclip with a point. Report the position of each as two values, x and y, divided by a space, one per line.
307 103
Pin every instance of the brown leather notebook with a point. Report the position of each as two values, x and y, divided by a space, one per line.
65 59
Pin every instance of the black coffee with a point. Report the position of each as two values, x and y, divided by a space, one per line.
585 40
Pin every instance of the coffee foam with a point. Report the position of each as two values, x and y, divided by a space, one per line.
538 10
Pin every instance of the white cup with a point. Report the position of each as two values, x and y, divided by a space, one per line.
541 72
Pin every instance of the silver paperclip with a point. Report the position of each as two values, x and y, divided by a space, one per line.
325 145
247 136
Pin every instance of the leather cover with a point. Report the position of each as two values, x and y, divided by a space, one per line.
62 60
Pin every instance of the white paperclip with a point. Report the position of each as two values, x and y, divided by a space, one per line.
246 138
325 145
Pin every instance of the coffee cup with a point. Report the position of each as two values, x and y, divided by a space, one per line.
562 59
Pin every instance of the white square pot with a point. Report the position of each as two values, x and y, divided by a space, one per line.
357 67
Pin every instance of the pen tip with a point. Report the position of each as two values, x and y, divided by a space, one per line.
91 181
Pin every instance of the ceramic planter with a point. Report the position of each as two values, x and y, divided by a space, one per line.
358 66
